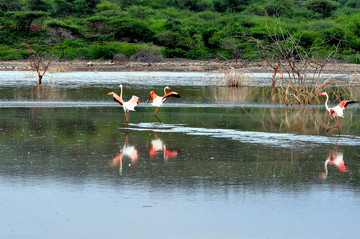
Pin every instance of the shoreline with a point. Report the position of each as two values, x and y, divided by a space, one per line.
166 65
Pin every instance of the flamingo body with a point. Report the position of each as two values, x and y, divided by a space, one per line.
131 104
157 100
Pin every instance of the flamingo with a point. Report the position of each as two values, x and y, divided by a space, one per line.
158 100
128 105
335 158
337 111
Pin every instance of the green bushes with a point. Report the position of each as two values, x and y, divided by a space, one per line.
7 53
100 29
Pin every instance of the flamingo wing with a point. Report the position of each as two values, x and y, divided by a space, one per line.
117 98
345 103
171 94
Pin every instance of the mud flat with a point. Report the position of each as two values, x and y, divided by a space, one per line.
166 65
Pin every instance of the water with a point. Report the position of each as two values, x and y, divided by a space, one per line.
223 164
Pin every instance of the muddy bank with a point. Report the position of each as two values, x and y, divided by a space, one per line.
166 65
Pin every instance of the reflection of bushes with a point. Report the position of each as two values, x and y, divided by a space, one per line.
301 120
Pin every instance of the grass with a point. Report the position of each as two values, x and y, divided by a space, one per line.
235 78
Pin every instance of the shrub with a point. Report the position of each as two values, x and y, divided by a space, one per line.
108 50
174 53
323 7
120 57
70 49
7 53
147 53
134 30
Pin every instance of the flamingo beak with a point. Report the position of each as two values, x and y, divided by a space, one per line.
110 93
148 99
321 94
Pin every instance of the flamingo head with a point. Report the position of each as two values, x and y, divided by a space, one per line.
151 96
135 100
167 88
324 93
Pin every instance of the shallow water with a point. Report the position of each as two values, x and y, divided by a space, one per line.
221 165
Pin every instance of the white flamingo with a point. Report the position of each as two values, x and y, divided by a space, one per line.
127 105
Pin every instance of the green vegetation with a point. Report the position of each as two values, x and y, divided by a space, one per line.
198 29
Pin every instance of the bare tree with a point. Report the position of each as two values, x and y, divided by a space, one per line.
285 55
38 61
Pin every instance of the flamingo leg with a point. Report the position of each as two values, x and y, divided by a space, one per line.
127 119
337 126
155 115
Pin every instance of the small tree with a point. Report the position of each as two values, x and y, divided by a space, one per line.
37 60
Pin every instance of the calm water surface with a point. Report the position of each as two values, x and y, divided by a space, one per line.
223 164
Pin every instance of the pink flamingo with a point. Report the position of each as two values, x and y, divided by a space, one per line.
158 100
337 111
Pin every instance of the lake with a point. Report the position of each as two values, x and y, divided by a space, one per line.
224 162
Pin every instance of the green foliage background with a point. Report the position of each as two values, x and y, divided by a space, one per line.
194 29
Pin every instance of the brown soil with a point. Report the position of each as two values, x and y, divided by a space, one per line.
166 65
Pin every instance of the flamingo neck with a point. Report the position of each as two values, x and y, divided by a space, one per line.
326 103
121 91
165 90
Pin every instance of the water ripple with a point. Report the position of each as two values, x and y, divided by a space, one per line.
287 140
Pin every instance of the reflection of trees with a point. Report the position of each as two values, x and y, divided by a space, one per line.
40 92
37 93
245 94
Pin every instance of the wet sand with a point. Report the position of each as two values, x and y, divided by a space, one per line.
166 65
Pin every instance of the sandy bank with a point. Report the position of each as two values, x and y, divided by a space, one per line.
166 65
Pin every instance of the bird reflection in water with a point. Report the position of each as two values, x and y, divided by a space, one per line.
157 145
128 151
335 158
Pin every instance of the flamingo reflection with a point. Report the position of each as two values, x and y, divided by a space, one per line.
335 158
126 151
157 145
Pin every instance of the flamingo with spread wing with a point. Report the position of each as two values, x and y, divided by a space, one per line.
158 100
127 105
337 111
